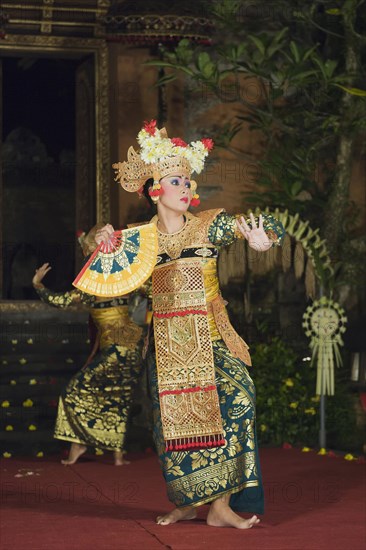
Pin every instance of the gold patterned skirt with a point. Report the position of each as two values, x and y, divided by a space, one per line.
197 477
94 408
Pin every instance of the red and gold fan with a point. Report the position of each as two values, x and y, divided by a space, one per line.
122 264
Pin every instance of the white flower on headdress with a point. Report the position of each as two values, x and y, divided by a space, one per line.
198 146
164 149
148 142
148 156
154 148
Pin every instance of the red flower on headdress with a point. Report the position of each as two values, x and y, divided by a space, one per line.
79 232
179 142
150 127
208 143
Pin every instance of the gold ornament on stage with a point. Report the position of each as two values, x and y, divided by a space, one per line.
121 265
324 322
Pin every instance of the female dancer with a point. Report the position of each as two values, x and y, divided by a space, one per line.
203 396
94 407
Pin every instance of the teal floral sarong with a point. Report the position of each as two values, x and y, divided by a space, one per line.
197 477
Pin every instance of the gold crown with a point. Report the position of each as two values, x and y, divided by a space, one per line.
133 173
160 156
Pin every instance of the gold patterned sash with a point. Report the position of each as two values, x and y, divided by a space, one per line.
189 403
235 344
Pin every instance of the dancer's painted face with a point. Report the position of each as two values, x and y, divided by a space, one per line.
177 192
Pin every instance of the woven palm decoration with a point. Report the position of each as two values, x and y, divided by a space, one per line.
121 265
325 322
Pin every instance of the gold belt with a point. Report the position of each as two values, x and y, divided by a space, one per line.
115 327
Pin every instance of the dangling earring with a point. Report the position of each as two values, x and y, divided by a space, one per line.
156 190
195 201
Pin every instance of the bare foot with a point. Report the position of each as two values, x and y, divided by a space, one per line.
221 515
178 514
119 459
76 450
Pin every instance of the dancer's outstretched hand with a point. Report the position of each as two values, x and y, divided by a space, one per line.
40 273
256 236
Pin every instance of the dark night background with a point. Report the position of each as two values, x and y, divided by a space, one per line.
38 156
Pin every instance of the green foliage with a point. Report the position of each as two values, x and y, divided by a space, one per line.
287 181
296 54
287 407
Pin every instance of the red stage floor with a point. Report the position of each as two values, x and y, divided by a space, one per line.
312 502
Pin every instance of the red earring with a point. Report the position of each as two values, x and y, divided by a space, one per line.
195 200
156 190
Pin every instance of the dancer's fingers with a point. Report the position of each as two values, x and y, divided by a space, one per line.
252 219
244 224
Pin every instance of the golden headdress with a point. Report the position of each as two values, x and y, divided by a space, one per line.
159 156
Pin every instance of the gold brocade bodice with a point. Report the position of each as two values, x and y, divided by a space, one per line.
194 236
185 280
115 327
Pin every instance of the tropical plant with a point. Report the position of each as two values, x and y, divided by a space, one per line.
309 101
287 409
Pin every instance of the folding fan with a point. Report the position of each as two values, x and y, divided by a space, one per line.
122 264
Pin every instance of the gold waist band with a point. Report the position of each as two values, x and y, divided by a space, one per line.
115 327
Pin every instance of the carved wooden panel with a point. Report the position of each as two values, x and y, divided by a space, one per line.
1 181
85 184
